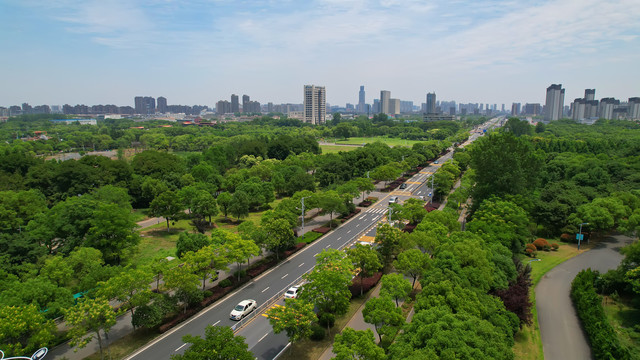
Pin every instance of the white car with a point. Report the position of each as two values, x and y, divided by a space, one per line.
243 309
393 200
292 293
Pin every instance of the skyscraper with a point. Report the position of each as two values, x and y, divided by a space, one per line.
235 105
385 97
245 103
431 103
162 105
315 104
515 109
361 100
634 108
554 104
145 105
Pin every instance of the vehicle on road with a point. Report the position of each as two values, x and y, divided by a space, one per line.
244 308
403 186
393 200
436 162
292 293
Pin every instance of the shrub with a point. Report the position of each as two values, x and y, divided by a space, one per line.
546 247
555 246
566 237
225 283
531 253
239 274
531 246
604 341
540 243
317 332
327 320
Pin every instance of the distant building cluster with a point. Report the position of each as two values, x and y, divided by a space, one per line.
585 110
233 107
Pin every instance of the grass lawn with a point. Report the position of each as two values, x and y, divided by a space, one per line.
528 343
624 318
362 140
312 350
330 149
140 214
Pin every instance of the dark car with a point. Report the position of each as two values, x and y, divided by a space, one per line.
403 186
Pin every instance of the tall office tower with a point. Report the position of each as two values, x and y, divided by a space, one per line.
245 103
315 104
270 107
515 109
376 106
235 105
361 100
162 105
385 97
589 94
554 104
503 110
431 103
633 112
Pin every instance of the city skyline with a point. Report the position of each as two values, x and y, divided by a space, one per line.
197 53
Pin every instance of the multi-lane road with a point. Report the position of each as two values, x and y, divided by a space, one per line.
268 289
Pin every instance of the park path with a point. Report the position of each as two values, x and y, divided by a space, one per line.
560 329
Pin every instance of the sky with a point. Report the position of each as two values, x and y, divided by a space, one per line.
201 51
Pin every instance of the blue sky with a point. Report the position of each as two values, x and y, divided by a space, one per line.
201 51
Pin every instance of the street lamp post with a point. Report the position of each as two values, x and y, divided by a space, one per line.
302 201
580 236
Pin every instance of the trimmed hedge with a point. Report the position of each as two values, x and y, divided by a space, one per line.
604 341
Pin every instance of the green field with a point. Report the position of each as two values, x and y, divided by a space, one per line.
332 149
367 140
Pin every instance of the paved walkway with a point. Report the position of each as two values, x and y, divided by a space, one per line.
560 329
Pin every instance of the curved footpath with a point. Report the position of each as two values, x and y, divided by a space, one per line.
562 335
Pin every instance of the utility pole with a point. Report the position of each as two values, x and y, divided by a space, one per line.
302 201
580 236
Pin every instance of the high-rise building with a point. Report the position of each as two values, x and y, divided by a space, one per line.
376 106
515 109
607 105
554 104
315 104
431 103
503 110
361 100
589 94
394 106
245 103
532 109
162 105
223 107
385 97
235 105
145 105
633 111
270 107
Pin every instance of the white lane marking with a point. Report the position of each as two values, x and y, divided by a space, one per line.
348 232
262 338
183 345
357 225
361 217
217 322
339 238
303 263
327 246
267 288
285 275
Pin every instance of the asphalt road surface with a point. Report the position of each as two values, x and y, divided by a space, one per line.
562 335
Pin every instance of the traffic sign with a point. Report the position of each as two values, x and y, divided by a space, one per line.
580 237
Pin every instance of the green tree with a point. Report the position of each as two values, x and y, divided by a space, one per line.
518 127
238 249
167 205
328 283
295 318
224 200
413 210
388 240
205 261
386 173
412 262
239 205
112 231
219 343
24 329
278 235
381 313
190 242
357 344
366 259
330 202
130 288
365 185
87 319
395 286
183 281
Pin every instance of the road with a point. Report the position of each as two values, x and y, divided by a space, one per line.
562 335
269 288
